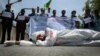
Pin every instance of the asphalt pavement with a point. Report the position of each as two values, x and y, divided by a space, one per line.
49 51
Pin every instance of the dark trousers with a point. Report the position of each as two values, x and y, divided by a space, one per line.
20 34
92 24
20 31
87 25
6 27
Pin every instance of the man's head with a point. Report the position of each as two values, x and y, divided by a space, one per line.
87 12
54 12
22 11
73 12
39 35
8 7
63 12
38 9
42 11
49 10
33 10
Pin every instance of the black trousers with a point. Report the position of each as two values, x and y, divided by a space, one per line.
87 25
20 31
6 27
20 34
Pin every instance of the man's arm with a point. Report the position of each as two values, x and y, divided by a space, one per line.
13 16
26 19
1 15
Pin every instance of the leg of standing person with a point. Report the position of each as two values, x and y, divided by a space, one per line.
3 33
0 29
17 33
22 34
9 28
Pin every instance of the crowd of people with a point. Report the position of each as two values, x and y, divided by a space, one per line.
89 21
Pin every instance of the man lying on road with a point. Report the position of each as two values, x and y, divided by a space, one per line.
51 37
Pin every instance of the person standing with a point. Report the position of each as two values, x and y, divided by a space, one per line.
7 21
88 20
42 19
64 20
97 17
21 25
54 22
97 20
63 12
76 22
43 13
31 24
33 13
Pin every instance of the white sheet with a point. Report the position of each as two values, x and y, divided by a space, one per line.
54 24
72 37
37 23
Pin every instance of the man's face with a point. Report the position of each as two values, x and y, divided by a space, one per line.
54 12
41 37
63 12
8 7
42 11
74 13
22 11
87 12
33 11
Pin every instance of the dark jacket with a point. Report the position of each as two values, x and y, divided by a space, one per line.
7 20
